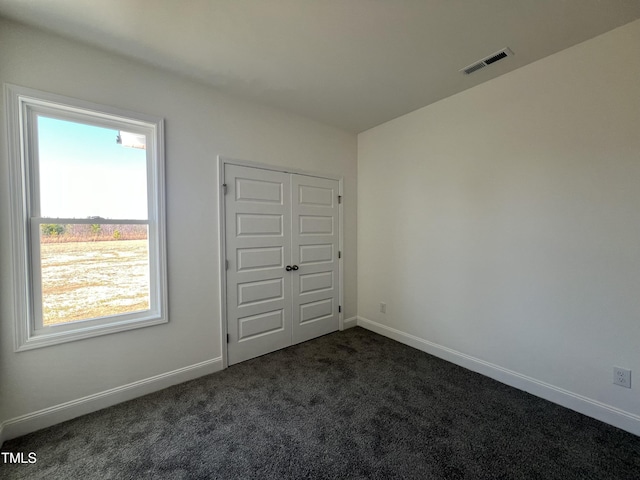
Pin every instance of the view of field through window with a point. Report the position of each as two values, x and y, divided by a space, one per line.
91 270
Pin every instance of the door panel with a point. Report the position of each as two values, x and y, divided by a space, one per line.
259 224
315 311
315 251
259 258
315 282
259 191
318 196
258 245
313 254
261 324
315 225
260 292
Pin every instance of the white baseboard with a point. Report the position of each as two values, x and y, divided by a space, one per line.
579 403
349 323
31 422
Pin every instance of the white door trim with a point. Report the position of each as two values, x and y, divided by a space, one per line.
222 162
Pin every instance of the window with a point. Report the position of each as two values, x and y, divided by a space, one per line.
87 193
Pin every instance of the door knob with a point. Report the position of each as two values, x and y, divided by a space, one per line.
295 267
288 268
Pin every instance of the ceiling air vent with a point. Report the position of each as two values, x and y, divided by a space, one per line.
485 62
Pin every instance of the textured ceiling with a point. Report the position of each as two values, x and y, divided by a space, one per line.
349 63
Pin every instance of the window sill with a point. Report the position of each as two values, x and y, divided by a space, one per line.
52 337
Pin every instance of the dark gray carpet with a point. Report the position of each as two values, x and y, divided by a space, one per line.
348 405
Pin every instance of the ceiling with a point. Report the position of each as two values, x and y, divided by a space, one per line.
349 63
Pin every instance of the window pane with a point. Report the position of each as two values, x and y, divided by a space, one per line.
85 172
92 271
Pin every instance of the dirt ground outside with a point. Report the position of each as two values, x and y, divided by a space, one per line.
84 280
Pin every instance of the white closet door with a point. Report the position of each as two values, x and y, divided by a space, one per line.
258 248
314 250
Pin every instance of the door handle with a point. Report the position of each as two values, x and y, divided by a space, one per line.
295 267
288 268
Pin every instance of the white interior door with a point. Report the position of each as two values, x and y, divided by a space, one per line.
258 248
314 249
281 236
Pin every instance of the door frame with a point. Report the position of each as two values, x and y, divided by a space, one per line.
222 252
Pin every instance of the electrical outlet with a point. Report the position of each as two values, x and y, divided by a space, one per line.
622 377
383 307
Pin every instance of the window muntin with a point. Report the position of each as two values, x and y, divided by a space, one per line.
88 205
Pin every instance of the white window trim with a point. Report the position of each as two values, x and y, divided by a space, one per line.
20 102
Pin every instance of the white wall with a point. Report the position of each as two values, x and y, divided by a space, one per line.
502 226
201 123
